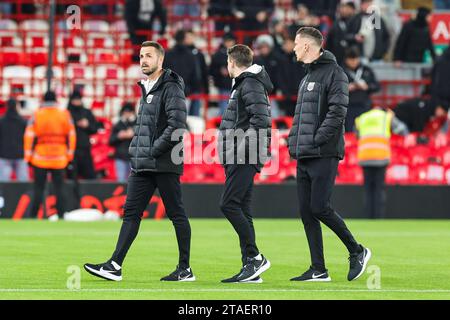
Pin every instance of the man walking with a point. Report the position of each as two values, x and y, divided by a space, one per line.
244 140
316 140
162 110
49 145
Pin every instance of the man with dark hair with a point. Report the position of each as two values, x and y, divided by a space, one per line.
181 60
12 129
338 37
362 84
244 140
316 141
85 125
121 136
372 40
218 69
162 111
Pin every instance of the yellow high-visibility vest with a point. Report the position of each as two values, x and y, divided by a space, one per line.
374 132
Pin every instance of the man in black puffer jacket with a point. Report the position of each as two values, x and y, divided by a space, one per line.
161 115
244 142
316 140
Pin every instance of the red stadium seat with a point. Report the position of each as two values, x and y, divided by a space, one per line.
398 174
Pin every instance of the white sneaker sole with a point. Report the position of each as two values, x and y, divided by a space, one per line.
192 279
328 279
257 273
104 275
366 261
260 280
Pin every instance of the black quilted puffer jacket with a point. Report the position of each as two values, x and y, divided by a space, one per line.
161 112
249 110
318 126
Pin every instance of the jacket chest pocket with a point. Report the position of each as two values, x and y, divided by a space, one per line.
315 95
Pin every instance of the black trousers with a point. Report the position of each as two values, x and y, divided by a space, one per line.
84 165
141 187
315 181
375 196
40 180
235 205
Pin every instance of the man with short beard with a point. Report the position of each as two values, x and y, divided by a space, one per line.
162 110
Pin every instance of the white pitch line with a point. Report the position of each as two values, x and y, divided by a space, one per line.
18 290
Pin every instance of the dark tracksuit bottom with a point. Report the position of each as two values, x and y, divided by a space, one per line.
375 196
235 205
315 181
40 180
141 187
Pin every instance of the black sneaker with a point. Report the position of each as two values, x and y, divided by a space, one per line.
181 275
108 270
358 263
312 275
252 269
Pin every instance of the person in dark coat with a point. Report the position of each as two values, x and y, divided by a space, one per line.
253 15
181 60
293 71
85 125
121 136
316 141
12 130
243 147
372 40
440 79
219 72
201 70
362 84
338 37
156 163
415 39
222 11
142 18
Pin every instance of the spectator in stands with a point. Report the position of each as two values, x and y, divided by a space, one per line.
221 11
273 62
140 15
374 131
440 80
304 19
278 32
373 40
121 136
201 70
318 7
416 112
337 40
362 83
415 39
181 60
293 71
218 69
12 130
49 146
253 15
85 125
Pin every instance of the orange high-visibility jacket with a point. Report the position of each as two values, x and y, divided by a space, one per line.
50 138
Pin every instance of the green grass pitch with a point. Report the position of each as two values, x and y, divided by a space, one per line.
413 257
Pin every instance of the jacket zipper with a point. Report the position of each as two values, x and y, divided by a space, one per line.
301 113
318 116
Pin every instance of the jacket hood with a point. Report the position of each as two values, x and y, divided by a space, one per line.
257 72
325 58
